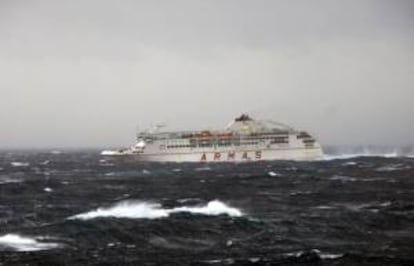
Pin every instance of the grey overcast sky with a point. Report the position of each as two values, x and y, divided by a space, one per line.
85 73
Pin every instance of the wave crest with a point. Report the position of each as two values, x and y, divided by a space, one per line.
146 210
348 152
20 243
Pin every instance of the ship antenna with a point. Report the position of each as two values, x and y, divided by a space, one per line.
137 131
155 128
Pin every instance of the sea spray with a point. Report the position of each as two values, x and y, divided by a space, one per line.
148 210
23 243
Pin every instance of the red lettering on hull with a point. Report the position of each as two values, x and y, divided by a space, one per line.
231 156
217 156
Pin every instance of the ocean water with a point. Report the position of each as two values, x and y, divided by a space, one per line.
79 208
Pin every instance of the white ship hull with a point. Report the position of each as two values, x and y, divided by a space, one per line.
244 140
298 154
240 156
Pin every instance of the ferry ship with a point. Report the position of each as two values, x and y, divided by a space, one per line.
244 139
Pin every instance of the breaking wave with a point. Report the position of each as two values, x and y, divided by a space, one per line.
328 157
316 252
109 152
271 173
20 243
7 180
334 153
392 167
343 178
20 164
146 210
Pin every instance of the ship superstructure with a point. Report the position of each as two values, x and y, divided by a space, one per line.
244 139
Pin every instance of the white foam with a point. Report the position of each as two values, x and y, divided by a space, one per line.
324 207
126 209
146 210
109 152
271 173
385 204
47 189
349 163
9 180
111 174
46 162
20 164
392 167
187 200
116 152
104 162
21 243
205 168
294 254
321 255
343 178
214 207
328 256
329 157
373 179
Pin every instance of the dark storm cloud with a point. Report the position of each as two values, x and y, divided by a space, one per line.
84 73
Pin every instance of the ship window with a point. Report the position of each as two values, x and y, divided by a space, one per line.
303 135
205 145
249 143
224 144
279 140
308 141
236 142
179 146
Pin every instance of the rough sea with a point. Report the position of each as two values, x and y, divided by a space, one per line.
79 208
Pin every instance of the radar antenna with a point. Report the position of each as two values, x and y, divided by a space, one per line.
157 127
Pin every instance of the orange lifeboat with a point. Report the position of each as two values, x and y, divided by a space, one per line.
204 134
224 134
